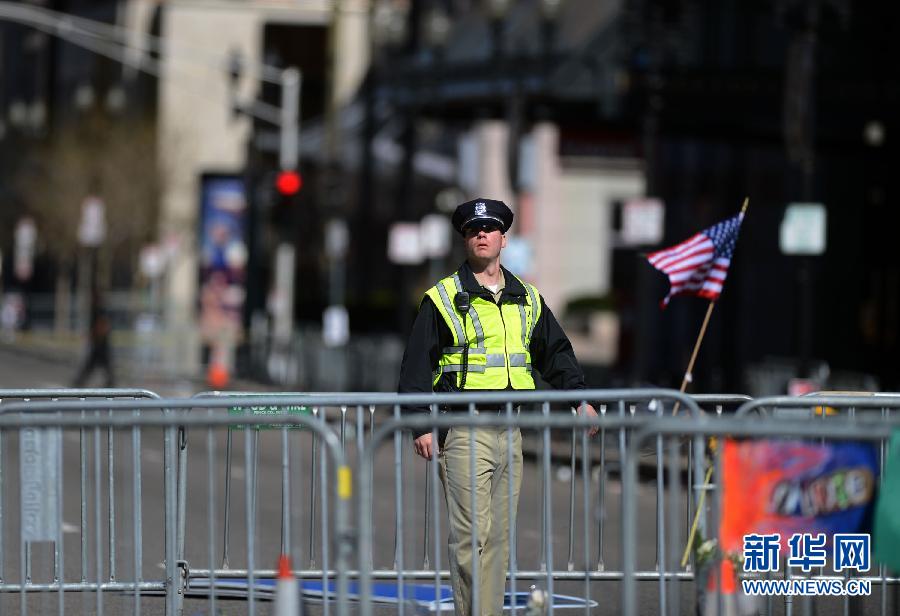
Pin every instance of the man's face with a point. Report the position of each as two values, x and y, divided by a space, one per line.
484 242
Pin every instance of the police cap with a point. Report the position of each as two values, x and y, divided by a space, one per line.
482 212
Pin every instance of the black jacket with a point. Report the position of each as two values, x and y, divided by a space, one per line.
551 352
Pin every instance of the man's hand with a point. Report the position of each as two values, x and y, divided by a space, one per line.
587 410
424 448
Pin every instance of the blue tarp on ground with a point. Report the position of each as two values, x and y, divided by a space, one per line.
424 596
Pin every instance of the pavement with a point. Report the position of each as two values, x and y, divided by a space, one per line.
47 359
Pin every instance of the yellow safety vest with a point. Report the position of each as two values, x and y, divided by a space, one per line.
498 337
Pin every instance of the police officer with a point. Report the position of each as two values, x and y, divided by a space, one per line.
480 329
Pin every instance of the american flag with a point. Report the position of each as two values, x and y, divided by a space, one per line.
698 265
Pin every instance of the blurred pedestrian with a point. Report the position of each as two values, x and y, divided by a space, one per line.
483 329
98 353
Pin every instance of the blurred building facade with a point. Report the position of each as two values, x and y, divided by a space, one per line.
583 116
202 133
785 102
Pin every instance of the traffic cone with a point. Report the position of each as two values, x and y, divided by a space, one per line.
217 375
723 583
287 591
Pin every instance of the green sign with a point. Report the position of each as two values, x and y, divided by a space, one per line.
269 411
887 510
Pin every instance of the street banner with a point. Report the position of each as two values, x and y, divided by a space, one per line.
787 488
223 258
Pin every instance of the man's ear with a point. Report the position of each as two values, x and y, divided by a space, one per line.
503 241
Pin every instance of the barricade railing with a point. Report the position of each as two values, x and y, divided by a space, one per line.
174 417
316 506
53 473
337 409
618 410
344 429
837 417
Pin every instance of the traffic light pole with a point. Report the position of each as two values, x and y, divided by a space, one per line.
285 254
291 81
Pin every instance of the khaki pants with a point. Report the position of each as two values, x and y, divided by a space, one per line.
491 515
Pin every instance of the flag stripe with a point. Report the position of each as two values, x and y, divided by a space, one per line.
689 262
666 259
677 249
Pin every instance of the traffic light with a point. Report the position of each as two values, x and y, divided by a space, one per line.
288 183
281 194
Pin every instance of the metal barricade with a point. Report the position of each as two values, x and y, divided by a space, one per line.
295 511
172 417
294 478
415 518
866 418
620 411
38 445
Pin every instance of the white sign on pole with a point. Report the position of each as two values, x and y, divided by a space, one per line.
335 326
518 256
153 260
337 238
642 222
23 252
405 244
436 235
469 157
282 301
92 227
803 229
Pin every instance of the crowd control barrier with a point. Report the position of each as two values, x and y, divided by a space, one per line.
198 557
554 544
33 474
124 575
218 486
411 508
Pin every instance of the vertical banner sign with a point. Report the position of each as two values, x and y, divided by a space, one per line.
223 261
39 458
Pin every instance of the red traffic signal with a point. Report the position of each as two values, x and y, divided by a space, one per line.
288 183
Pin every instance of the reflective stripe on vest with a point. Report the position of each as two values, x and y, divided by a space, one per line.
498 338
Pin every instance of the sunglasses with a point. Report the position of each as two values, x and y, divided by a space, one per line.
487 227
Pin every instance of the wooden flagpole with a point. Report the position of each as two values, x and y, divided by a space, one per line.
688 377
689 373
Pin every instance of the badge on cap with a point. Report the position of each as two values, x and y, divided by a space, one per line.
480 208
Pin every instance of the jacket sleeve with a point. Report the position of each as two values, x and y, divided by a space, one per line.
422 354
552 354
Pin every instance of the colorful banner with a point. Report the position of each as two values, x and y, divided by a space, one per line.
789 487
223 257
